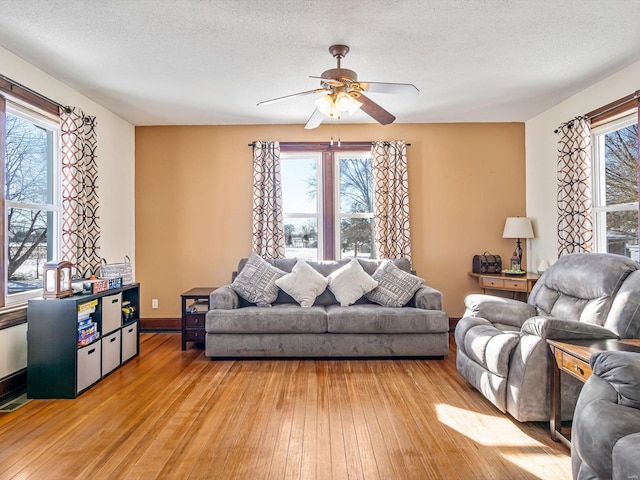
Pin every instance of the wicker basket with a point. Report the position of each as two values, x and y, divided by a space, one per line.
111 270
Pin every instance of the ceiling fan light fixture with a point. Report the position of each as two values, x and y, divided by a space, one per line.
355 106
327 106
344 102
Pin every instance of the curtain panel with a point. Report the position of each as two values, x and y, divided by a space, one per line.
391 230
575 220
268 221
80 228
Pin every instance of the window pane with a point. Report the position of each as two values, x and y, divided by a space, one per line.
29 157
356 237
356 190
27 248
621 157
299 185
622 233
301 237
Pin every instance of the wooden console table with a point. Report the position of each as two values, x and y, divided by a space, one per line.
521 284
573 357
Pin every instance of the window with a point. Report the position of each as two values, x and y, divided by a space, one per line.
354 200
31 198
615 186
327 203
302 204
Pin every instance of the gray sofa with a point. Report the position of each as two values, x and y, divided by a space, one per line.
605 440
500 343
237 328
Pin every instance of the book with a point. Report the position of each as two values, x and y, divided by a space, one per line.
87 305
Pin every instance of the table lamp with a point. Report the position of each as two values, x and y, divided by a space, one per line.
517 227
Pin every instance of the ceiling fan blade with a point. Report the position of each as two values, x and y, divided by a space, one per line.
286 97
383 87
375 111
314 120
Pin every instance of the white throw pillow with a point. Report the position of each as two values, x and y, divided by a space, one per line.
304 283
256 281
395 286
351 282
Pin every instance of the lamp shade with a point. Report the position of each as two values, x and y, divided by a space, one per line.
518 227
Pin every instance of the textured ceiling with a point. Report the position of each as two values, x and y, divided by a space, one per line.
159 62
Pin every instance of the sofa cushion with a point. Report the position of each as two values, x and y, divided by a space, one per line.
491 347
256 281
304 283
377 319
288 318
350 283
395 286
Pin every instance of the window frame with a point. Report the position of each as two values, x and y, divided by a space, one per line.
338 215
327 236
306 155
24 111
600 209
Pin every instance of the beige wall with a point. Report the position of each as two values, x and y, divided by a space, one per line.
194 187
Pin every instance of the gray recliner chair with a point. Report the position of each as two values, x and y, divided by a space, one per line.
605 436
501 347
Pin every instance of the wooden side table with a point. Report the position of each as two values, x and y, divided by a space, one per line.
195 305
521 284
572 357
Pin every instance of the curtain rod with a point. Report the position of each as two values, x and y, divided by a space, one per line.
612 105
13 83
324 144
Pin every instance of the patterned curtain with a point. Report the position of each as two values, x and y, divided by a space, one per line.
391 200
80 229
575 221
268 222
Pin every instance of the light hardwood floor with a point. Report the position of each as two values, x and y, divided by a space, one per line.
173 414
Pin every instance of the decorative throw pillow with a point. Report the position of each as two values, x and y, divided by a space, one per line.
304 283
350 282
395 286
256 281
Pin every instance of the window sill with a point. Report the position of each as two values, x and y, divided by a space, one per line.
12 316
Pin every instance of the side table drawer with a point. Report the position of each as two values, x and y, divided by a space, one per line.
194 334
516 284
576 367
194 320
492 282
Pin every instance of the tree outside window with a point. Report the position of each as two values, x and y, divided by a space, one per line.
616 187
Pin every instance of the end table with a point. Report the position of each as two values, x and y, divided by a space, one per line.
195 305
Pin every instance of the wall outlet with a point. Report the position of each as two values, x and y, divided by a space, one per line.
154 303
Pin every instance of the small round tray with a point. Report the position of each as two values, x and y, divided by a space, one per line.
514 273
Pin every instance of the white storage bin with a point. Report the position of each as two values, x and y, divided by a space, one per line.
129 341
111 313
89 365
110 352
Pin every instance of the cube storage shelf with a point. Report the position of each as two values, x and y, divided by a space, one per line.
57 366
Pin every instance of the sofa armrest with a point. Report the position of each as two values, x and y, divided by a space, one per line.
560 329
428 298
498 309
622 371
224 298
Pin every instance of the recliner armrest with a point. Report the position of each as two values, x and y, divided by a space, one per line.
502 310
224 298
428 298
560 329
622 371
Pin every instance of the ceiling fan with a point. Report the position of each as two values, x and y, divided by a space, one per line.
343 93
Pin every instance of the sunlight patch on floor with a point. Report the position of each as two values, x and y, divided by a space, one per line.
503 431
